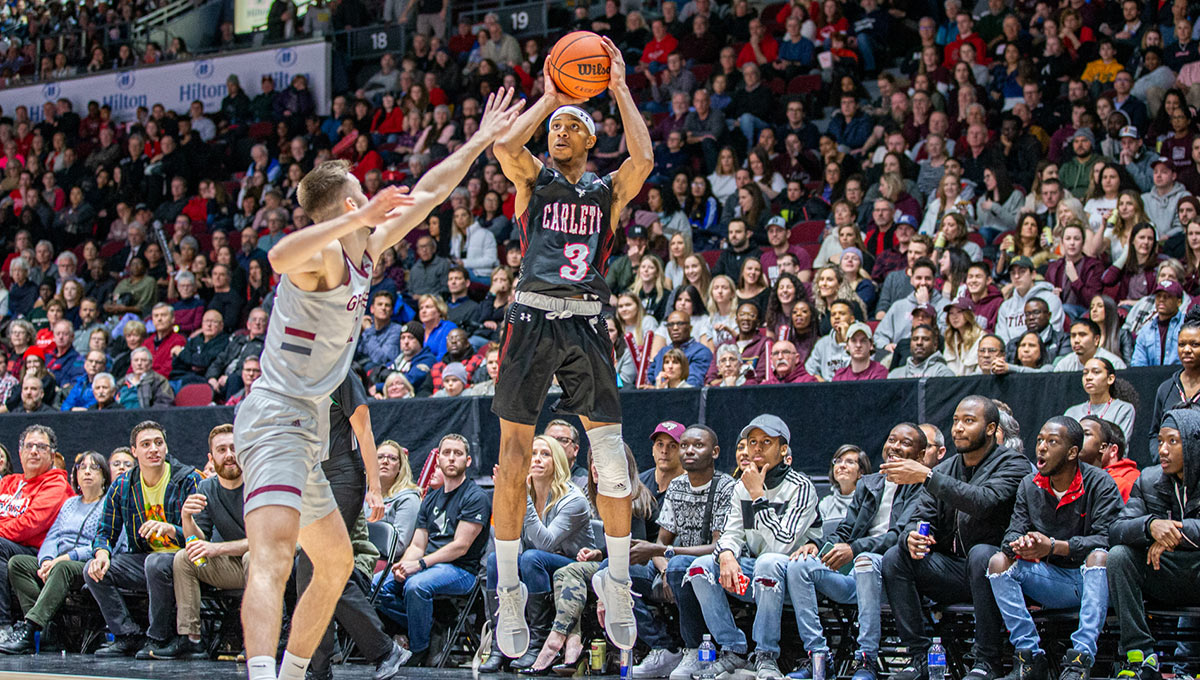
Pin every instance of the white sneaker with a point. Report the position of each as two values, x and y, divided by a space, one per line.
690 663
512 632
658 664
616 600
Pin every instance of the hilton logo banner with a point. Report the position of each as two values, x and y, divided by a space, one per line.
177 84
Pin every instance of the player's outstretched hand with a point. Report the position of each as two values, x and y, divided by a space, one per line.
616 72
383 204
559 98
498 115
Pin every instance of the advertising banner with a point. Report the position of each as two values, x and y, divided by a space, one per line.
176 85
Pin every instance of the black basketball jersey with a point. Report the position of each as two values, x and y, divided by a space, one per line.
567 236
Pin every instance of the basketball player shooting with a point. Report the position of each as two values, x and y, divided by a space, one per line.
568 218
283 425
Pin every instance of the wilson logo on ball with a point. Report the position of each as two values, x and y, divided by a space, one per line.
593 69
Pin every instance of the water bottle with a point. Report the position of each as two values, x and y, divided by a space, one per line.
708 656
937 660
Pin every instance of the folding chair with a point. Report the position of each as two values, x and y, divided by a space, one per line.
465 605
387 541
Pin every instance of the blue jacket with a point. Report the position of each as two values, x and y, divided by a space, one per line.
80 396
698 356
376 348
418 367
124 508
851 133
1146 348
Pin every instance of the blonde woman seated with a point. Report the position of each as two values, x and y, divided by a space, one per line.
962 337
396 386
947 199
557 528
401 495
674 371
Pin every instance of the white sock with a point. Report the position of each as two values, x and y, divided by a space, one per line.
507 572
292 667
618 556
261 668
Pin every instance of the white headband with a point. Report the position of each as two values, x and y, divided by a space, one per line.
578 113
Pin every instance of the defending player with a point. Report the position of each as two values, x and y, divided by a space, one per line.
281 427
567 220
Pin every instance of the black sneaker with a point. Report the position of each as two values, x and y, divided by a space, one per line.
122 645
914 671
152 645
1140 667
864 667
1026 666
419 659
20 640
180 648
983 670
1076 665
312 674
390 665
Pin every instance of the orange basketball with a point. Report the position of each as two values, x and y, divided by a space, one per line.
579 65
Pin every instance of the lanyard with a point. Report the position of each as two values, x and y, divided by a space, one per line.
1106 406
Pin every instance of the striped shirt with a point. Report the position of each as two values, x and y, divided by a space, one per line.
783 519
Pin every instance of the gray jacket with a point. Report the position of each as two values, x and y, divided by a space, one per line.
934 366
1162 210
566 528
897 323
827 357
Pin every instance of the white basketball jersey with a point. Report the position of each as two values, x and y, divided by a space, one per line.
311 335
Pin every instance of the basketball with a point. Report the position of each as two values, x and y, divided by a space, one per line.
579 65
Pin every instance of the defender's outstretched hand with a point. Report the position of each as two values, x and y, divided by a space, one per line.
616 72
498 115
383 205
559 98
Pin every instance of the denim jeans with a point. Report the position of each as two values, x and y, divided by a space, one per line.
651 630
151 573
751 125
767 589
864 585
536 569
410 602
1054 588
866 49
691 619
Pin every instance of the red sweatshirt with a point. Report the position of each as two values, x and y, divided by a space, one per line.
1124 472
28 507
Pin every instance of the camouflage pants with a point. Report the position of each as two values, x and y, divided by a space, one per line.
571 586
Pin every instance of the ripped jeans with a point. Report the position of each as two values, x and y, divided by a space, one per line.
863 585
1053 588
767 589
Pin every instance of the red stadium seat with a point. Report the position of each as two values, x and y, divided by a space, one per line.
777 85
261 130
711 257
111 248
1000 238
702 72
804 84
975 238
807 232
812 249
197 394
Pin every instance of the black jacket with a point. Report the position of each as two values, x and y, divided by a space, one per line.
856 526
1159 496
964 513
198 355
1081 518
1170 394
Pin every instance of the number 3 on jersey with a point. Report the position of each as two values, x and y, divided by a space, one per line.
577 255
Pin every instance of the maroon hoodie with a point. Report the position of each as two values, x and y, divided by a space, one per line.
987 308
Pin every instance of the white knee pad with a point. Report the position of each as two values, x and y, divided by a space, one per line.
608 455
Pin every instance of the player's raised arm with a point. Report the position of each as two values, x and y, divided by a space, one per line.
520 166
435 186
632 174
300 251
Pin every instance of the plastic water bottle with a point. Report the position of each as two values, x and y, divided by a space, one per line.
937 660
708 656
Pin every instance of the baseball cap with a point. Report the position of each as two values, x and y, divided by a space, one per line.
772 425
457 370
578 113
926 309
637 231
1129 131
1162 159
140 207
858 327
1170 288
670 428
907 219
964 303
415 329
1022 261
777 221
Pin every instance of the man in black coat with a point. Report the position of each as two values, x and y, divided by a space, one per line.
193 360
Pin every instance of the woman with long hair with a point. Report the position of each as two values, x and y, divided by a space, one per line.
388 120
1103 312
432 312
639 336
787 291
702 209
696 273
493 218
42 582
1026 241
962 337
674 373
953 234
557 528
852 266
763 174
651 287
754 210
1108 397
365 158
473 246
829 285
947 200
565 640
689 300
843 233
401 495
1032 356
1000 204
722 307
723 179
678 250
622 356
752 285
833 182
1131 277
1114 236
671 219
1102 193
1191 256
953 264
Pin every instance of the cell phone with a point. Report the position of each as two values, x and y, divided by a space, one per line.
845 570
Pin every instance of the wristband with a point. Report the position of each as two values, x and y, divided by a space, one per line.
422 563
1051 547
